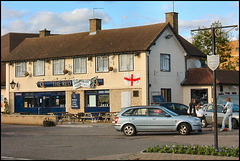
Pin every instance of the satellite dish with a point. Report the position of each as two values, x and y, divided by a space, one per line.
197 64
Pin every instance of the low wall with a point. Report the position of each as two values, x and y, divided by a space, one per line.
26 119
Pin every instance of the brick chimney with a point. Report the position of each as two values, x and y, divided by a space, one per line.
172 18
44 33
95 25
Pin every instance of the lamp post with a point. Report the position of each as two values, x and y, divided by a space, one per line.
214 82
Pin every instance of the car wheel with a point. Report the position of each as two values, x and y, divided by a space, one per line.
234 124
129 130
184 129
204 123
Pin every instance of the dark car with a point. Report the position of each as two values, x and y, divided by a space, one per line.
178 108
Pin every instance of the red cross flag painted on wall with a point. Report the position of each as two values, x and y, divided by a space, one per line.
131 79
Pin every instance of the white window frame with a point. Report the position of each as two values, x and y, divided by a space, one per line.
80 65
126 62
39 68
102 63
20 69
165 62
58 66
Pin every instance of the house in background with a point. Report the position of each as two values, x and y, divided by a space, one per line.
101 70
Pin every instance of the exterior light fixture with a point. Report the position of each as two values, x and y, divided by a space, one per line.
168 36
13 84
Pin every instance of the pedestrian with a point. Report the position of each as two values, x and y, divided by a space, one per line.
228 114
200 112
192 109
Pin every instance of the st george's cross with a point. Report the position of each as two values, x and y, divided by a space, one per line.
134 80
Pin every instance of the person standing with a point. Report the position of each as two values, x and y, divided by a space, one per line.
229 107
192 109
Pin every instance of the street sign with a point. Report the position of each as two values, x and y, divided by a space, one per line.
213 61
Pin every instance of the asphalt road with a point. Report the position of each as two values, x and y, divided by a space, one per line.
93 141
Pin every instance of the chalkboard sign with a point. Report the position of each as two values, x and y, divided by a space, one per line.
75 101
158 98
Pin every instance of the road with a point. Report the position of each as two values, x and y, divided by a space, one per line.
93 141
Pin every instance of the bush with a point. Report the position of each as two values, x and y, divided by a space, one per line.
196 150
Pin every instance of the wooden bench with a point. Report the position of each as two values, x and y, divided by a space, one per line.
85 116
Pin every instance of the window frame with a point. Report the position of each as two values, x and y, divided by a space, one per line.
60 70
96 64
120 65
34 72
20 64
162 68
74 65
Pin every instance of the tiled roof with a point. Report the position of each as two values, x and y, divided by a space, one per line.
105 41
204 76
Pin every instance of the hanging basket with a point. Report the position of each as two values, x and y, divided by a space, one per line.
110 68
26 74
65 71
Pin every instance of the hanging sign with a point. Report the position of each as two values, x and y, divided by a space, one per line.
131 79
213 61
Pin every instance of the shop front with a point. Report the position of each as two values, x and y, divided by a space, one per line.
40 102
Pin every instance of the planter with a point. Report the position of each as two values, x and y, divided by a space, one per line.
48 122
65 71
26 74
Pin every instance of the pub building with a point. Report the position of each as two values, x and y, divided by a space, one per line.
99 70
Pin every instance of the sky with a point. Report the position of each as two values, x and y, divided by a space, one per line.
67 17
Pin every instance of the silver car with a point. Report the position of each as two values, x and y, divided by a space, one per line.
209 110
154 118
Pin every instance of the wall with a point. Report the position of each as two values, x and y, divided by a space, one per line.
26 119
112 80
172 79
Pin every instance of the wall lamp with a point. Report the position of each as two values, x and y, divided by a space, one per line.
168 36
13 84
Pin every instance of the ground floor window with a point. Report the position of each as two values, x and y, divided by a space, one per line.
201 95
166 93
97 100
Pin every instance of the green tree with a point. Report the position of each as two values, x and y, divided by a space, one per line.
203 41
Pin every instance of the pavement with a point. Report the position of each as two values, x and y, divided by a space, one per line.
143 155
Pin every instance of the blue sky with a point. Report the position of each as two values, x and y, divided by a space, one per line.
65 17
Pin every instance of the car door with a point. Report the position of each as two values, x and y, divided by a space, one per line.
208 110
159 120
140 119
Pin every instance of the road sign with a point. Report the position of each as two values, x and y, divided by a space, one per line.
213 61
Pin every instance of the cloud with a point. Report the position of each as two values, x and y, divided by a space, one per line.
7 13
58 23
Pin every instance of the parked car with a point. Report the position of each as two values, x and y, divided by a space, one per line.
209 110
178 108
154 118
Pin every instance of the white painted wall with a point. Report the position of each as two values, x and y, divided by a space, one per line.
172 79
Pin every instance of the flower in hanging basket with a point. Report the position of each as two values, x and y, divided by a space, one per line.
65 71
110 68
26 74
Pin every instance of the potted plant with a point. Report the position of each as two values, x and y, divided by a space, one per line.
48 122
26 74
110 68
65 71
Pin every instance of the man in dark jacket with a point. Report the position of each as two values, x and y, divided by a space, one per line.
192 109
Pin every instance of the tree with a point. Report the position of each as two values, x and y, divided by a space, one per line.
203 41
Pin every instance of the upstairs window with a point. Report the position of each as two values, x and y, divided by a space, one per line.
165 62
38 68
20 69
80 65
126 62
102 64
58 66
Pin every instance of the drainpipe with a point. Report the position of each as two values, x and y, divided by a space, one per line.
149 85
